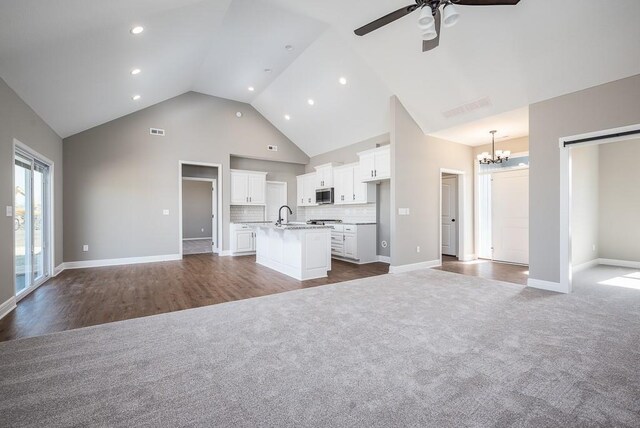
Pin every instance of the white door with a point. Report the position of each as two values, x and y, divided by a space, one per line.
256 185
309 189
300 190
510 216
239 187
214 216
276 197
383 163
244 241
367 166
350 246
449 213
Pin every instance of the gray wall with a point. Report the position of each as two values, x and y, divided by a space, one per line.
19 121
620 201
607 106
277 171
196 209
584 204
118 178
349 154
416 160
199 171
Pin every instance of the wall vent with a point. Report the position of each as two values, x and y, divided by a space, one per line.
156 131
468 108
272 148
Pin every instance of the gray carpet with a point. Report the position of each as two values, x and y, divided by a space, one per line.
426 348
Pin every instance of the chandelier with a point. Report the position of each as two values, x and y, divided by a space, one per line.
498 156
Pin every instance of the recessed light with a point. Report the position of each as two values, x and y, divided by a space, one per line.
311 102
251 88
267 70
287 117
343 80
135 97
135 71
137 30
289 48
239 114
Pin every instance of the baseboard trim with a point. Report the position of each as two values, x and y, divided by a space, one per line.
197 239
586 265
58 270
468 258
414 266
620 263
119 262
225 253
546 285
7 307
384 259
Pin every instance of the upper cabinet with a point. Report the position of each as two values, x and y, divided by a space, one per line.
375 164
248 187
324 176
306 190
349 189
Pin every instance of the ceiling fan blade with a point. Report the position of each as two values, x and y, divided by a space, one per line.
427 45
486 2
387 19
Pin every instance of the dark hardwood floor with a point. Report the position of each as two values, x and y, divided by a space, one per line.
516 274
85 297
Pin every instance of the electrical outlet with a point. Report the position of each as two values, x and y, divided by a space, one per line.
165 212
418 249
9 211
594 248
85 248
202 229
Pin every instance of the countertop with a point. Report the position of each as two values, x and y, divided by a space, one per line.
291 226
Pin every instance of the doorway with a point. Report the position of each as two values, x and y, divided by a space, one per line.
200 200
449 215
276 197
32 216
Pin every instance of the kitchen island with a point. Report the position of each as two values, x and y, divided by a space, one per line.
298 250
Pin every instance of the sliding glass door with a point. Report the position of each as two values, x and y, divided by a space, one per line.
31 222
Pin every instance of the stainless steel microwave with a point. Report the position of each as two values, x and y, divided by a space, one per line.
324 196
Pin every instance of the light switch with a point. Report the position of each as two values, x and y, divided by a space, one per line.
165 212
85 248
9 211
403 211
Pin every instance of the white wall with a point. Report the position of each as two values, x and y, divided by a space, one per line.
619 185
584 204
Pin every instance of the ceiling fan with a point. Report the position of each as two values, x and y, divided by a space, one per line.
431 18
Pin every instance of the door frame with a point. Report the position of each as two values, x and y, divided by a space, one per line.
462 211
50 252
286 196
219 246
606 136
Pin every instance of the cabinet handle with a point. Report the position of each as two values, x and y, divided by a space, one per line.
372 173
375 173
249 198
344 237
354 196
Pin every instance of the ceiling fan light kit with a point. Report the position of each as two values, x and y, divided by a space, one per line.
430 17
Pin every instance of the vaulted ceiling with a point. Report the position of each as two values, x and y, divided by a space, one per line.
70 60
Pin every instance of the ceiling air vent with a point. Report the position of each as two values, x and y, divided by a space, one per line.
468 108
272 148
156 131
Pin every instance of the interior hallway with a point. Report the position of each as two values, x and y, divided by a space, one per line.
517 274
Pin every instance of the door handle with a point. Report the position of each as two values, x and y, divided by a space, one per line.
453 220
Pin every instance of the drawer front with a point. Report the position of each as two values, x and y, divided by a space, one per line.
351 228
338 227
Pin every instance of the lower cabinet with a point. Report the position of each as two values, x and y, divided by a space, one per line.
354 243
243 239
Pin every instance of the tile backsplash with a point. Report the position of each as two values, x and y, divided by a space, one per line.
346 213
242 213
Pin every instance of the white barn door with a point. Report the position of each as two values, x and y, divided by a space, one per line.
510 216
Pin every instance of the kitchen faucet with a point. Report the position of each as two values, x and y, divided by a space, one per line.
279 222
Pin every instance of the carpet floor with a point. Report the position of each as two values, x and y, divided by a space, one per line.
425 348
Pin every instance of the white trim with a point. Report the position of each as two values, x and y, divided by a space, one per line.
7 307
50 253
198 239
415 266
468 258
225 253
219 188
286 198
546 285
620 263
198 178
566 270
586 265
58 270
384 259
119 262
462 192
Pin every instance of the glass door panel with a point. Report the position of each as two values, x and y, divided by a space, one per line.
22 221
38 213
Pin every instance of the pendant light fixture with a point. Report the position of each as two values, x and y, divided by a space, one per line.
496 156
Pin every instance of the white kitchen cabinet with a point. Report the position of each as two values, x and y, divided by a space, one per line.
375 164
354 243
306 190
243 239
348 189
248 187
324 176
